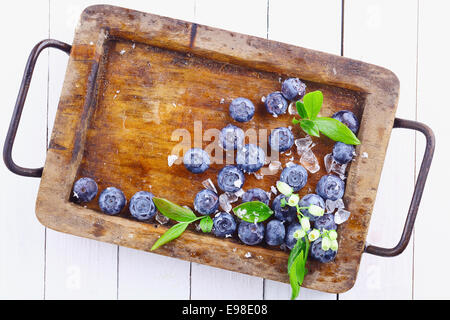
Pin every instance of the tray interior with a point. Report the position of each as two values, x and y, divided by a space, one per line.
143 104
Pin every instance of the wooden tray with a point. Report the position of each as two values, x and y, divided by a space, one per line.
133 78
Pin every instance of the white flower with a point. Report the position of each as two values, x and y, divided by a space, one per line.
293 200
284 188
326 244
334 245
305 223
316 210
332 234
299 234
314 235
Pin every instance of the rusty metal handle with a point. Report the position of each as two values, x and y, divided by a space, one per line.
418 189
17 113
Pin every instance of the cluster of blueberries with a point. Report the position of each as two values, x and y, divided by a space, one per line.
250 158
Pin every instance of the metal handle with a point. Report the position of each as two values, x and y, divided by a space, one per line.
17 113
418 189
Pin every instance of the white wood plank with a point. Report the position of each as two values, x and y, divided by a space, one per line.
375 34
296 22
22 237
430 254
138 272
248 17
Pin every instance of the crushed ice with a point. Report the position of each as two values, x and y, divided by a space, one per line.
341 216
171 160
292 108
162 219
309 161
303 144
208 184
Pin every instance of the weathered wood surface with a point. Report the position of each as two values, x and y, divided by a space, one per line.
123 138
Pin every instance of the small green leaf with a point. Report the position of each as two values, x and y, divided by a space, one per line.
295 121
313 103
336 130
174 211
170 234
206 224
301 110
297 266
310 128
253 211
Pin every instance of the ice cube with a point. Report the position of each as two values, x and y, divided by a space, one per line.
162 219
248 255
232 198
303 144
331 205
239 193
208 184
269 195
290 164
309 161
364 155
263 99
292 108
341 216
171 159
328 160
258 176
274 166
273 189
339 169
224 202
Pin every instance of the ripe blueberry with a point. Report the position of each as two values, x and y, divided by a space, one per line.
206 202
343 153
196 160
255 194
286 213
308 200
142 206
330 187
84 190
230 179
348 118
325 222
319 254
251 233
224 224
112 201
275 103
231 137
242 109
250 158
289 240
293 89
275 233
295 176
281 139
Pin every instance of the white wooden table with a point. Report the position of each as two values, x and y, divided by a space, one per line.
410 37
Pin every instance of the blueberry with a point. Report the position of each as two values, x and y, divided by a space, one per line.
255 194
289 240
330 187
319 254
224 224
230 179
281 139
142 206
251 233
250 158
293 89
325 222
295 176
308 200
231 137
206 202
85 189
275 233
343 153
196 160
275 103
286 213
242 109
112 201
348 118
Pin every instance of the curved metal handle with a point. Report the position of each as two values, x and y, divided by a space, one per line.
17 113
418 189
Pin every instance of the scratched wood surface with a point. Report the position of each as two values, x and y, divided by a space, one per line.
63 266
129 87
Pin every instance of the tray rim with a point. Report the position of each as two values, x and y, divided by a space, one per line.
101 22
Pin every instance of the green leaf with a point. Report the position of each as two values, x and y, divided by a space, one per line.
297 265
295 121
310 128
253 211
170 234
313 103
336 130
301 110
206 224
174 211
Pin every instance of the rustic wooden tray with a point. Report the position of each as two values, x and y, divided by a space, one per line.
133 78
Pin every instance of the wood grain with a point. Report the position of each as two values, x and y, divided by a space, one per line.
83 118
